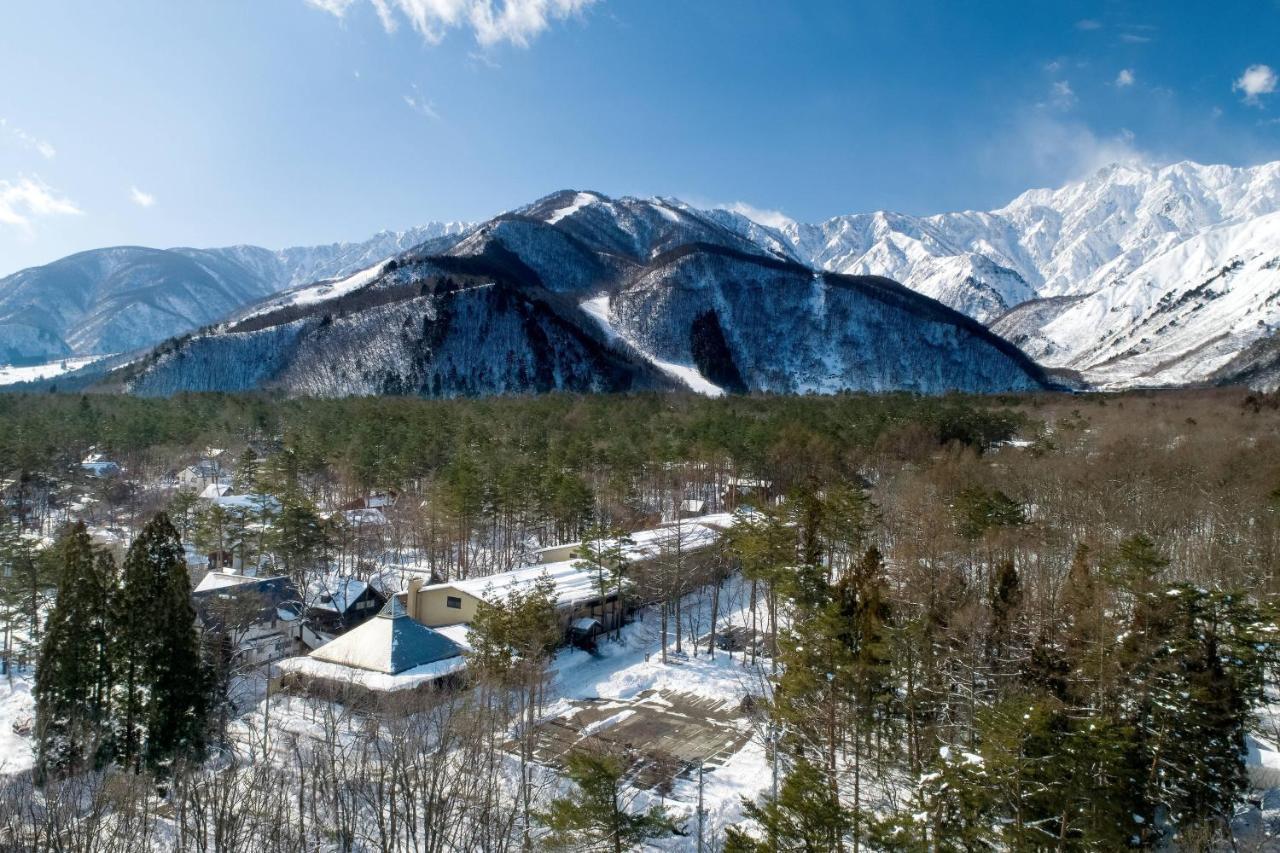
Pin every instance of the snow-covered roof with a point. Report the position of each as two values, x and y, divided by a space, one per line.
256 503
213 491
693 533
692 504
460 634
383 682
573 582
342 592
390 643
363 517
689 534
221 580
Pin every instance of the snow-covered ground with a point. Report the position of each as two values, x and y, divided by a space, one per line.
17 710
598 309
12 375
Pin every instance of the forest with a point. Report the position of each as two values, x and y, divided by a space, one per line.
1025 622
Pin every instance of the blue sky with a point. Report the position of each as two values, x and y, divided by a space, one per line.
284 122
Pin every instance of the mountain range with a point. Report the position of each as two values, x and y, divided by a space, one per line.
130 297
1135 276
581 292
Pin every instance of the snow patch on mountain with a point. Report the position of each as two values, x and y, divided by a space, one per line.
598 309
579 201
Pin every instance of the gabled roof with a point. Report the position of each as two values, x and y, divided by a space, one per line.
573 581
221 580
342 592
389 643
269 594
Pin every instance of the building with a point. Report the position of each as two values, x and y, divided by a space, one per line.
259 619
200 475
97 465
747 491
389 652
213 491
336 604
576 586
692 508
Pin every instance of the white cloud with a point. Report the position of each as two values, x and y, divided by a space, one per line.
1088 24
761 216
1061 95
491 21
1125 78
422 106
140 198
1256 81
26 140
26 199
1134 38
1065 150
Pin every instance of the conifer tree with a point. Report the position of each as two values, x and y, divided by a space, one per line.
162 685
73 675
806 816
599 816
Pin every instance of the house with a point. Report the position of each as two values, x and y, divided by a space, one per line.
388 653
258 619
336 604
576 587
97 465
203 473
359 519
376 500
748 491
260 504
691 508
213 491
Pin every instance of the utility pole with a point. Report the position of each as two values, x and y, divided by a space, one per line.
773 739
702 813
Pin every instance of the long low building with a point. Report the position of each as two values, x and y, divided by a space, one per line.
577 587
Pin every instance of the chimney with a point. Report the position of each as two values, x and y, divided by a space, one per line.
411 598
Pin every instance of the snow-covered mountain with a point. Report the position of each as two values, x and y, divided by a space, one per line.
1134 276
129 297
582 292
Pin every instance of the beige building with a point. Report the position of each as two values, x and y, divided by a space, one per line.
577 588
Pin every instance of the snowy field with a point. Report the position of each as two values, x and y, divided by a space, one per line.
17 708
12 375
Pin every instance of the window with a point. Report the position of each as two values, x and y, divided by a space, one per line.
454 602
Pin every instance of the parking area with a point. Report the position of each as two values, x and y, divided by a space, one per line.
661 734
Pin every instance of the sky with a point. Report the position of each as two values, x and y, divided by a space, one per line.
291 122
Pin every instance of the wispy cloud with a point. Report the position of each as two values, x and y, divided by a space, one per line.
422 106
491 21
1125 78
1256 81
27 140
761 216
1061 95
1088 24
1134 38
27 199
1072 150
140 198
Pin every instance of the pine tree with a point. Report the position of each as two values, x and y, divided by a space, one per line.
162 685
806 816
598 817
73 676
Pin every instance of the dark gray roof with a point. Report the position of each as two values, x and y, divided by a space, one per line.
412 643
